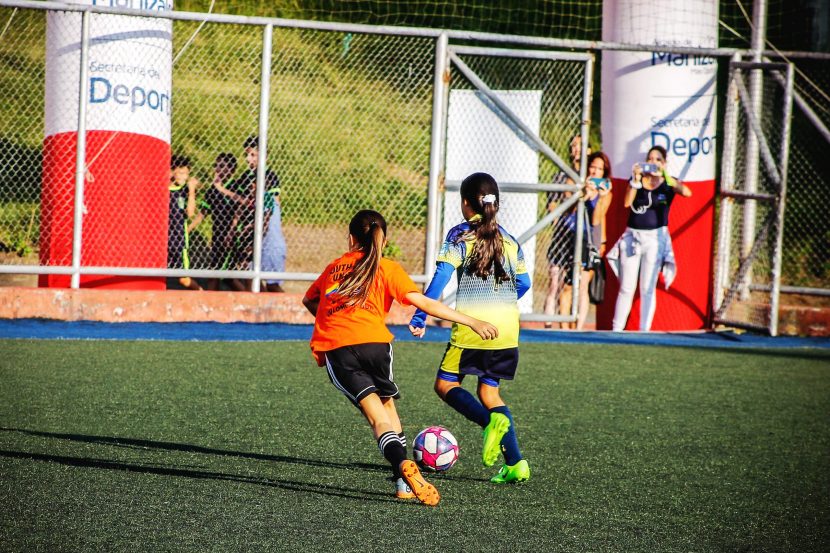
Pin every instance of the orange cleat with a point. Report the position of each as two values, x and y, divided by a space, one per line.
423 490
402 490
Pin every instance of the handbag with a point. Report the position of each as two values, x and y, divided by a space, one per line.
596 288
594 260
592 257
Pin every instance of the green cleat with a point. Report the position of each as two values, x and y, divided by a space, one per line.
493 433
519 472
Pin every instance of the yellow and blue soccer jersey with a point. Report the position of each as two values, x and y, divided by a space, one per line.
484 299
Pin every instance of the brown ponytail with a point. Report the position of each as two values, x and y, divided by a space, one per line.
482 194
369 231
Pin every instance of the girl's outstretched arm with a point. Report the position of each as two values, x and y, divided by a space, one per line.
485 330
522 284
443 273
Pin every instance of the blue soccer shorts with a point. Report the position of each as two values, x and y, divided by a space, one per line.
489 365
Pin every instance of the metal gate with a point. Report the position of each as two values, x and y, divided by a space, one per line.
753 195
508 112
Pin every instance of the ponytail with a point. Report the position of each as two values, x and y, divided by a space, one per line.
369 231
482 194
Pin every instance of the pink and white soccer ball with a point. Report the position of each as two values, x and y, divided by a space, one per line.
435 448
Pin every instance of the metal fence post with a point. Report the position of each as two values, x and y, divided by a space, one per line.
581 228
728 161
781 204
440 98
262 167
80 154
756 89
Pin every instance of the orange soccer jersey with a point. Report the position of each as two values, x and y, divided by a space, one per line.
337 325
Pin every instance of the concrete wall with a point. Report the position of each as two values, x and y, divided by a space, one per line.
152 306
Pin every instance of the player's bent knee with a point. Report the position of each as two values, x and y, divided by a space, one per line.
489 396
442 387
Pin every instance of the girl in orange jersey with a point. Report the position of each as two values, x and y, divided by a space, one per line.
349 301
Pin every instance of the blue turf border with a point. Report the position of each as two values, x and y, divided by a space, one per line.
42 329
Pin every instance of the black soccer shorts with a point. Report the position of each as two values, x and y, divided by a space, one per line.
362 369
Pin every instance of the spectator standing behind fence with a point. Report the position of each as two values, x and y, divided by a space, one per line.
645 249
182 208
273 244
597 201
560 253
220 201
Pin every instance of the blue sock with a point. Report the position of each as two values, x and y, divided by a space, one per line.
509 444
465 403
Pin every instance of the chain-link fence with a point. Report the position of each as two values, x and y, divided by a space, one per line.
21 139
348 129
806 247
752 287
550 103
349 125
753 190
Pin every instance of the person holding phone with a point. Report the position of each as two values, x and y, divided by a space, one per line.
597 201
644 250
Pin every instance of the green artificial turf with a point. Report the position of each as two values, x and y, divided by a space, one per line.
185 446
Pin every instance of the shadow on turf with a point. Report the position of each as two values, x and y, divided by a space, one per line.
135 443
140 444
306 487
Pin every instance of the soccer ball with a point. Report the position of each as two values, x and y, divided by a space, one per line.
435 449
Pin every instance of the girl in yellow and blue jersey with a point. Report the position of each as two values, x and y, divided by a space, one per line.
490 269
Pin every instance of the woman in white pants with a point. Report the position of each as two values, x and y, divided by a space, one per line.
644 250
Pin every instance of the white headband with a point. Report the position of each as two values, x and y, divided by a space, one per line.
488 199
